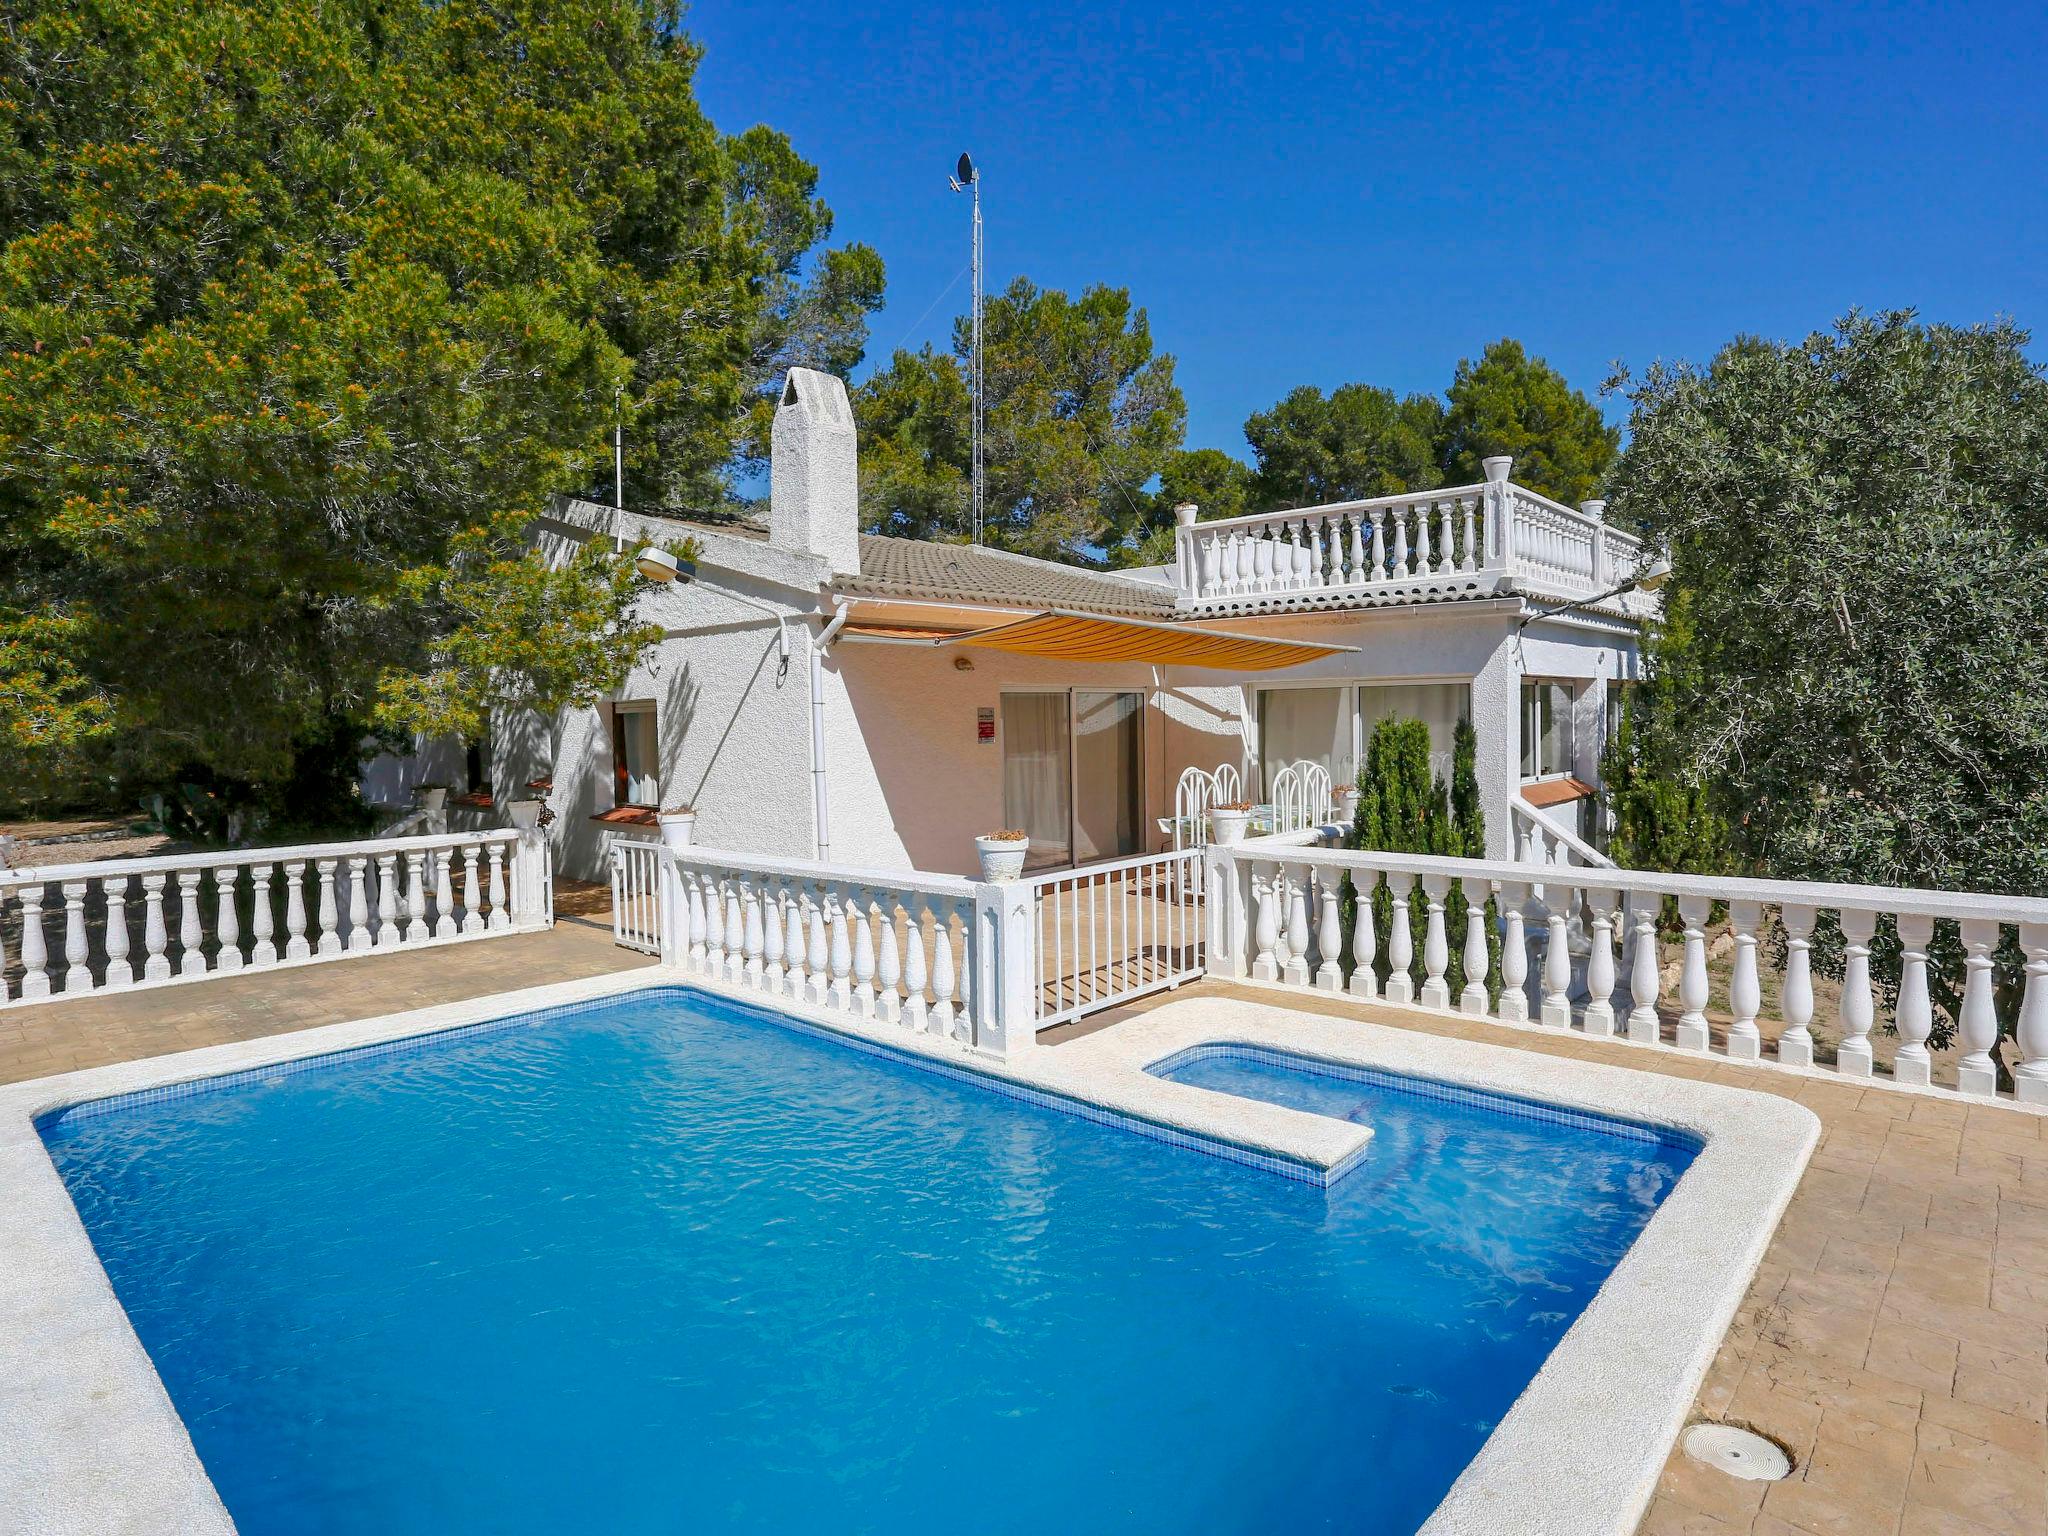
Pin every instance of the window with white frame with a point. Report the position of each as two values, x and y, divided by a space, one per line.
1333 726
1546 728
636 755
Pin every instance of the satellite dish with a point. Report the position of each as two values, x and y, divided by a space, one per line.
964 171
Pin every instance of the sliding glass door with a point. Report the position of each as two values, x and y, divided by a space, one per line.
1073 766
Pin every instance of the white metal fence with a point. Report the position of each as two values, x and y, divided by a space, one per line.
122 923
1113 932
636 895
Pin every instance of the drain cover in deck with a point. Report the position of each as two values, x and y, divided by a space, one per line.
1737 1452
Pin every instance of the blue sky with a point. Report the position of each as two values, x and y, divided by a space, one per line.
1324 194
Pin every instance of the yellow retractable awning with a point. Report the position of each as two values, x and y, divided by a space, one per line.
1091 637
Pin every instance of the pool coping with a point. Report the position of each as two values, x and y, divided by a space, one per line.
91 1443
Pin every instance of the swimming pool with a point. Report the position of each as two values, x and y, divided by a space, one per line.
664 1262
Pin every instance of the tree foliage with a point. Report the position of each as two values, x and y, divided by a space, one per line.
1080 415
306 309
1509 402
1354 443
1208 479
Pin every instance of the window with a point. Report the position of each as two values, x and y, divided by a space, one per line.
1333 726
1617 705
476 759
1440 706
636 755
1546 728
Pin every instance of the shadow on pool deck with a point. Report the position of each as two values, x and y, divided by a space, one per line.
1895 1338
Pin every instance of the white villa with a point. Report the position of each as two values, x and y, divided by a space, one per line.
876 702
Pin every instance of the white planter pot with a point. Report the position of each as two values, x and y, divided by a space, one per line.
525 814
1002 858
432 800
1228 827
1347 804
677 827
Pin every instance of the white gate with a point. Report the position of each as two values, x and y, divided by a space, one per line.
1113 932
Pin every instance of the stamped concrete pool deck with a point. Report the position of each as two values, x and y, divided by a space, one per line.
1895 1338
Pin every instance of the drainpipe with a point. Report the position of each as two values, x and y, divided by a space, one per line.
821 803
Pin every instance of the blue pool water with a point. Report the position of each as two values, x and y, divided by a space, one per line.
662 1264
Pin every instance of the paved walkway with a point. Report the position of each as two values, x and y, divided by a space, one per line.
1895 1339
44 1038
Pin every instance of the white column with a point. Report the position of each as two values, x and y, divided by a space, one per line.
1599 1019
1745 989
416 930
839 993
472 899
1557 957
1859 1009
1472 1000
940 1020
1296 972
1646 980
77 951
859 901
262 921
774 972
818 949
1266 928
1470 559
696 916
714 922
1692 981
1364 942
914 975
1445 547
227 927
2030 1077
295 945
793 982
1915 1015
501 916
1977 1028
755 966
191 959
330 915
1379 544
1514 955
444 893
888 962
1795 1041
1400 941
359 936
119 972
156 965
1436 949
35 957
1330 939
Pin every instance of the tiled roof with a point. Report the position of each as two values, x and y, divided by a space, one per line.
964 572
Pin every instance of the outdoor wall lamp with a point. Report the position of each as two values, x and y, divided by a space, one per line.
661 567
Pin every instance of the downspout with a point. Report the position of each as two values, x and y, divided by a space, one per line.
821 802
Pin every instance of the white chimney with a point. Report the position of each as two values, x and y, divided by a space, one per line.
814 471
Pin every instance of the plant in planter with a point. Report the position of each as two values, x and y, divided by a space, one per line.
1229 821
1002 853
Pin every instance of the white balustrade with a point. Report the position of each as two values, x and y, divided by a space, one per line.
1600 969
225 913
1402 547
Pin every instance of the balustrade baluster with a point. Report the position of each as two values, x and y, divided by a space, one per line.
416 929
1317 576
1745 989
262 920
1858 1006
774 970
1354 562
1365 982
191 958
387 901
1915 1015
1445 544
1795 998
77 952
818 947
1421 514
119 972
156 965
1514 955
914 975
444 893
1599 1015
472 903
1469 560
295 945
755 967
1379 544
735 927
861 903
1977 1028
888 960
1647 979
1472 1000
501 916
964 1027
1692 978
1330 939
1295 972
1400 941
1266 925
2030 1077
696 923
1208 568
227 928
839 991
35 956
1399 515
941 1016
1436 949
713 883
1557 956
793 982
359 936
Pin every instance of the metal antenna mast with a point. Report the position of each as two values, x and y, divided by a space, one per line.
968 179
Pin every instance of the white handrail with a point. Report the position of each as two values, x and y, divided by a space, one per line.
1532 817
